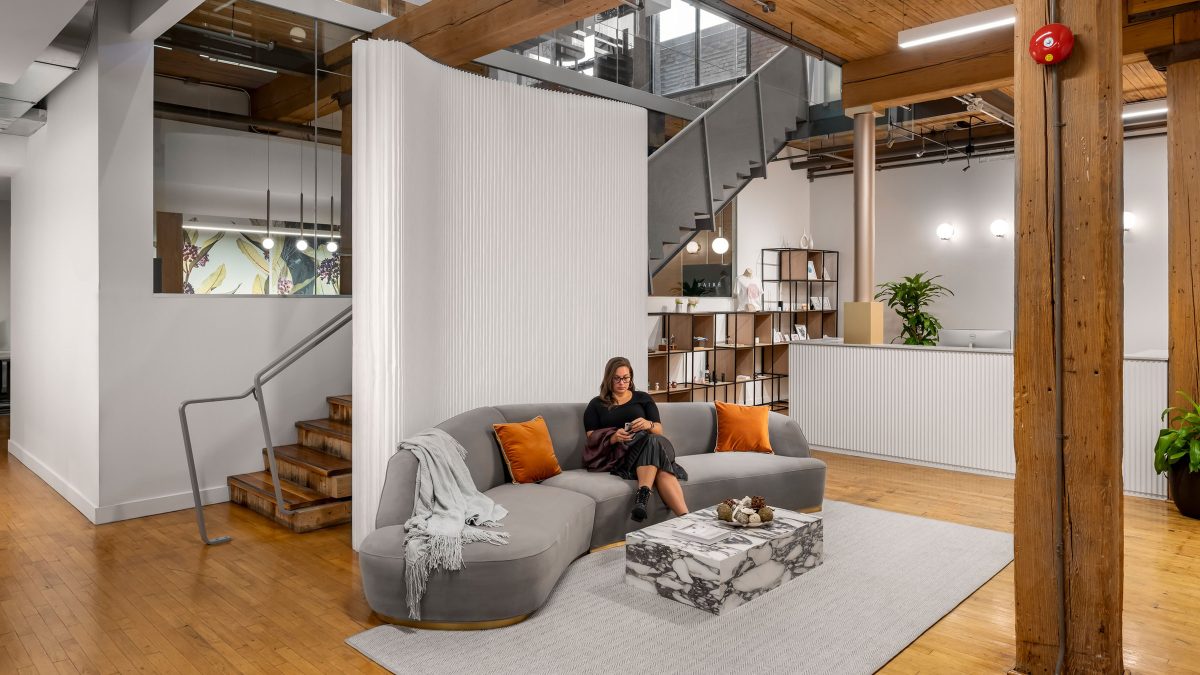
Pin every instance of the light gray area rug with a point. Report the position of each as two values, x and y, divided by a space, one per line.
887 578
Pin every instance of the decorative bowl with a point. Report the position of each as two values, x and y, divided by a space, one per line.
748 511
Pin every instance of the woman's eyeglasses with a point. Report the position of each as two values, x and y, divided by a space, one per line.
624 378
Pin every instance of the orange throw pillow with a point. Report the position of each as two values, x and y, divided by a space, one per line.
527 450
742 428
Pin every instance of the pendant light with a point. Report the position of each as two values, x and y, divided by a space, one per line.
268 243
331 244
300 243
720 245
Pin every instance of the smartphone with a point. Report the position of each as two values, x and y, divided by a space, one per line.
629 426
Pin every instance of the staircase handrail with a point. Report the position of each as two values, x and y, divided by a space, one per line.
268 373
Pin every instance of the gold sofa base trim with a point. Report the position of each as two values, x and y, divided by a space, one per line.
454 625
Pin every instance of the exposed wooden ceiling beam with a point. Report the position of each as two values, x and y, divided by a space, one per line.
455 32
1144 10
953 67
289 98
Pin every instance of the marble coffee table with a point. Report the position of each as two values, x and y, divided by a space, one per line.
719 576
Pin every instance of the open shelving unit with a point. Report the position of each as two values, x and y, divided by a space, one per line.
794 277
744 349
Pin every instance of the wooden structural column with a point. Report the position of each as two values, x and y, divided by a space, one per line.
1069 502
1182 64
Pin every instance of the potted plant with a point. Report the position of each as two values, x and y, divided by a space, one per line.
909 298
1177 453
678 304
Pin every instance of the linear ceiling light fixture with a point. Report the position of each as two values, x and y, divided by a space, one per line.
958 26
227 62
257 230
1151 108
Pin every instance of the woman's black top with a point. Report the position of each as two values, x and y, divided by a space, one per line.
599 416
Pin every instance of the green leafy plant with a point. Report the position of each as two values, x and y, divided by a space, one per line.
694 288
1181 438
909 298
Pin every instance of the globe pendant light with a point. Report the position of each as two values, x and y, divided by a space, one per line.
720 245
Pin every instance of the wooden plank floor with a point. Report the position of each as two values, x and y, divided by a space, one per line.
145 596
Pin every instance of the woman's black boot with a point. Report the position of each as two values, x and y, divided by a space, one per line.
639 504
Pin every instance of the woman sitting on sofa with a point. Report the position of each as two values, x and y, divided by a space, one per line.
625 438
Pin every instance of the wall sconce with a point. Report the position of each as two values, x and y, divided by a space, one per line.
999 228
1128 220
945 231
692 247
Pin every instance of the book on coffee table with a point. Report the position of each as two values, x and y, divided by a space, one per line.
703 532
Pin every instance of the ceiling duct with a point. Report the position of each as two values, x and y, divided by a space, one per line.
52 66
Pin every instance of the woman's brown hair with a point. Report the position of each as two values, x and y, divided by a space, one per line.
610 371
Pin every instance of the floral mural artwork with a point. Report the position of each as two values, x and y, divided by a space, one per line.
238 263
196 256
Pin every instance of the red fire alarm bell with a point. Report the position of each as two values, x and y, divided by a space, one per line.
1051 43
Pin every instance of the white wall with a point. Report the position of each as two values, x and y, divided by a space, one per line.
221 172
157 351
508 277
771 211
978 267
1146 286
104 363
5 267
55 309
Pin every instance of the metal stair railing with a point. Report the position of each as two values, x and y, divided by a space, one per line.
700 169
262 377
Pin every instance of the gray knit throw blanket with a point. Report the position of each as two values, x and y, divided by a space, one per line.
448 512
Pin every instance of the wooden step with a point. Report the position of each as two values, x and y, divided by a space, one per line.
314 510
313 469
325 435
340 409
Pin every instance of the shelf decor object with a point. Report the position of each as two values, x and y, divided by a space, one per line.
745 353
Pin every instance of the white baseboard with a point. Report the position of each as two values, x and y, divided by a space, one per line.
110 514
915 462
60 485
152 506
952 467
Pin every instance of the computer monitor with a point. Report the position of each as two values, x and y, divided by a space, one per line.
972 338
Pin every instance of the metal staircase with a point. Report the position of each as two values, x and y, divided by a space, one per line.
696 173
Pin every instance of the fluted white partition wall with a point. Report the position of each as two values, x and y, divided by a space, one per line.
946 407
499 248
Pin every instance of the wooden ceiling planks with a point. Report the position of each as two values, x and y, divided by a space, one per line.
858 30
1142 82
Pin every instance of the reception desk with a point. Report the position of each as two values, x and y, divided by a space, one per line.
946 407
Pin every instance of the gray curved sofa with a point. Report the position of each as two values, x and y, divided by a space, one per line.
554 522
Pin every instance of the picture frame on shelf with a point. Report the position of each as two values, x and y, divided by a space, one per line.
778 336
796 337
815 303
826 304
801 332
812 270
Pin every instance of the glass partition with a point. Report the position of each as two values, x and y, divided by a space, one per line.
252 153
